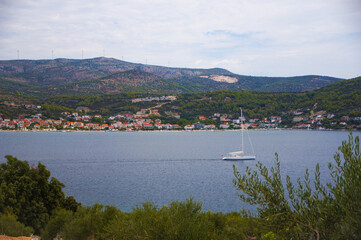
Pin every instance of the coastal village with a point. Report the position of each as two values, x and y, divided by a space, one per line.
146 119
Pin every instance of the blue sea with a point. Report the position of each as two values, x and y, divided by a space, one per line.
127 168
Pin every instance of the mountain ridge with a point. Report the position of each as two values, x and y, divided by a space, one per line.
47 75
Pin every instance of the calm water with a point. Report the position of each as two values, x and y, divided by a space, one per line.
127 168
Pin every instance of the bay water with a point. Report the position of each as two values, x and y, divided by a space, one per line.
125 169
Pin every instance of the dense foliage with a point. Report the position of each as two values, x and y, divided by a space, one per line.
106 104
27 193
333 99
11 227
255 104
342 98
179 220
308 210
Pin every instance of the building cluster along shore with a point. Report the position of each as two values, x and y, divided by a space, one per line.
142 121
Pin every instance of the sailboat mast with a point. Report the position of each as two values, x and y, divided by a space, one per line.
242 127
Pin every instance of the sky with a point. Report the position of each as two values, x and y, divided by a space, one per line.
247 37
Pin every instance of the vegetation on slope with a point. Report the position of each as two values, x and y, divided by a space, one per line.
341 98
101 75
127 81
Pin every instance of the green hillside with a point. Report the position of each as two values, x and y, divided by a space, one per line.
340 98
108 75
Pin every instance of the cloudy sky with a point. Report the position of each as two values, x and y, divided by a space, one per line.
250 37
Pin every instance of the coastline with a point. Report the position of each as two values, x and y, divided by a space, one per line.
198 130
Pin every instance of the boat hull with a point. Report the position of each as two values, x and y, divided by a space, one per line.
239 158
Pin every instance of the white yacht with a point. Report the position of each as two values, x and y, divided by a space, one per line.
239 155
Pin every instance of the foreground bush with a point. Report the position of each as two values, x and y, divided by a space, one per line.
179 220
11 227
308 210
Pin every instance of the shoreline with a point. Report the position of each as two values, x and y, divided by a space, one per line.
198 130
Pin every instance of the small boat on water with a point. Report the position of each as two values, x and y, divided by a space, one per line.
239 155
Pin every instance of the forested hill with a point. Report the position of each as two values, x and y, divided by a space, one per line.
108 75
344 87
342 98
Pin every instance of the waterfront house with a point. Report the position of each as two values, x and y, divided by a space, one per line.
57 122
210 126
276 119
318 118
147 126
158 125
117 124
199 125
224 126
189 127
78 124
343 124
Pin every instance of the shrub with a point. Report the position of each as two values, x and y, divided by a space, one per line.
301 211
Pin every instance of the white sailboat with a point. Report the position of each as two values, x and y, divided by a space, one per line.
239 155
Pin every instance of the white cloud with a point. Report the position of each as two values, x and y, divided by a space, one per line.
274 38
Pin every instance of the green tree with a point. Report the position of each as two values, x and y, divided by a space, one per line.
28 193
346 189
308 209
86 223
56 224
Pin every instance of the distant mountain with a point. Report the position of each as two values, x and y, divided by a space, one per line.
108 75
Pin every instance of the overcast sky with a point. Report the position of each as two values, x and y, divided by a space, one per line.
250 37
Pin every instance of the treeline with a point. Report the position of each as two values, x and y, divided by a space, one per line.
179 220
30 203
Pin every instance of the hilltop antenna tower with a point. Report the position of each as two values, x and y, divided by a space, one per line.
52 54
18 52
